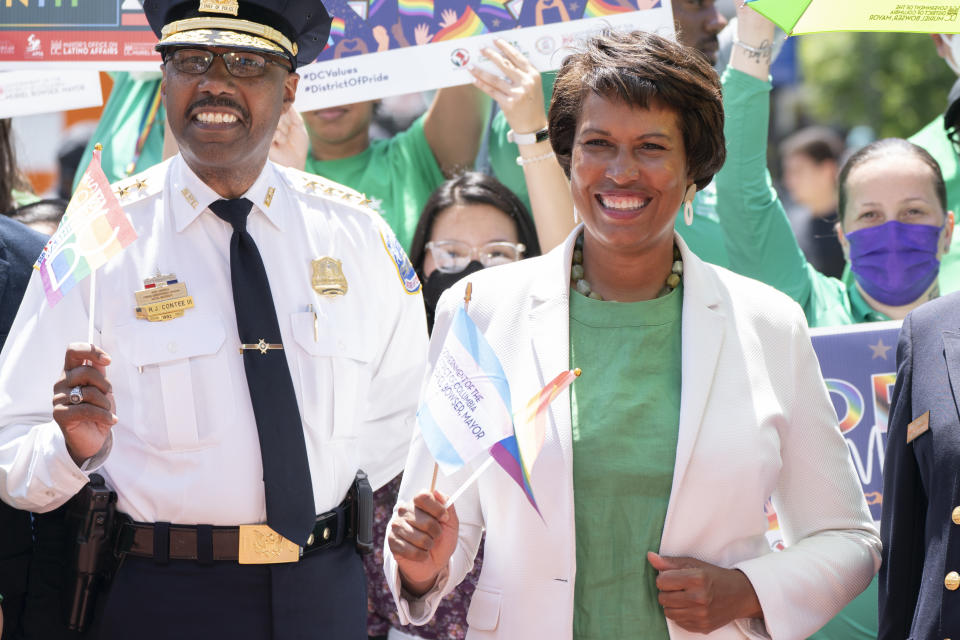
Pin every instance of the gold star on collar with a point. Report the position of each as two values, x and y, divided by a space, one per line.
123 191
139 185
312 185
365 200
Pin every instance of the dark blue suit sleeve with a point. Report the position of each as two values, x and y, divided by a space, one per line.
904 507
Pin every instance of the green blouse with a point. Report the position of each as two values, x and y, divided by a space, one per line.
625 411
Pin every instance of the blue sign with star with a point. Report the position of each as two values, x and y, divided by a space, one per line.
859 366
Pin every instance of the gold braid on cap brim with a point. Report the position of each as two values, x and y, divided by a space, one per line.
269 34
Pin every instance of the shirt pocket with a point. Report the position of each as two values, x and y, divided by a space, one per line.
333 358
484 611
182 390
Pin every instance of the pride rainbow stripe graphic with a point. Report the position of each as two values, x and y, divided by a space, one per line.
496 11
416 8
600 9
468 25
852 398
338 28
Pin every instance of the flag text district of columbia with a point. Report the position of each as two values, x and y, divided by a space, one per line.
466 404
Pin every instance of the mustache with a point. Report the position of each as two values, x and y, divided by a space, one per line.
218 102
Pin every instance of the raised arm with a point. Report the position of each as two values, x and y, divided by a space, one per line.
520 96
759 240
454 125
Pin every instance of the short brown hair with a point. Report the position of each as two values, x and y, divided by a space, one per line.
638 68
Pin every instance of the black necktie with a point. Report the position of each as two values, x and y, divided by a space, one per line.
286 472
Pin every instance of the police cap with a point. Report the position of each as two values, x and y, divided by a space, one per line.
294 29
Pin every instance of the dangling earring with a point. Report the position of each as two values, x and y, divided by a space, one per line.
688 204
576 216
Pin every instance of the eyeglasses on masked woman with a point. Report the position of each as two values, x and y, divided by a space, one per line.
240 64
453 256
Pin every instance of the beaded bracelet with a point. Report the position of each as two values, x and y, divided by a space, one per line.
525 161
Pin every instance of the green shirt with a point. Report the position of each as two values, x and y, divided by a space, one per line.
934 139
124 117
625 411
398 174
760 242
704 237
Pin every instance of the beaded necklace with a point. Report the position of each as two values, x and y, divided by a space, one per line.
583 287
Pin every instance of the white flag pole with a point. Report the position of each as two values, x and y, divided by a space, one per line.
466 485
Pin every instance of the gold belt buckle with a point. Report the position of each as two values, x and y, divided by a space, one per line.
259 544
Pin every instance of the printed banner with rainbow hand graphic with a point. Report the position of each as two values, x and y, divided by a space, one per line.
93 230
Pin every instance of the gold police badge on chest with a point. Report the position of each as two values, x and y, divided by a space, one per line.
162 298
328 279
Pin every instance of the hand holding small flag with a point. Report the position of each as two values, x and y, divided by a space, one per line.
422 538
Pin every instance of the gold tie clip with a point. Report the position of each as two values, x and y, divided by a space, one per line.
263 346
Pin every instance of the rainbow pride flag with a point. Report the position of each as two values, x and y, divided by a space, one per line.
600 9
518 452
338 28
416 8
495 11
468 25
375 6
93 230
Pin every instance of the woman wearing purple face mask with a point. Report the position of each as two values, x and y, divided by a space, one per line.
893 224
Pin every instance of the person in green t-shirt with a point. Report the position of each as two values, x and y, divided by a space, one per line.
938 139
400 173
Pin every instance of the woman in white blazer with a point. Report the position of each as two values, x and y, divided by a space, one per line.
700 397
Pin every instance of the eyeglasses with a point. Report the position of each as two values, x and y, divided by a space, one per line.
240 64
453 256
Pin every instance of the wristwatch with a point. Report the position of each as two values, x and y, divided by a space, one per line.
528 138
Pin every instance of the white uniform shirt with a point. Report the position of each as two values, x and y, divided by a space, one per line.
186 448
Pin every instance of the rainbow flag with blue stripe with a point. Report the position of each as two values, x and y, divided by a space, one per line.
416 8
469 24
466 400
338 27
93 229
518 452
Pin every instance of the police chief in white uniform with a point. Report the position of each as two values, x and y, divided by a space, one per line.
185 447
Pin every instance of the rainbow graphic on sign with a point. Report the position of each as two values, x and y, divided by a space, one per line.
468 25
416 8
600 9
93 230
494 10
338 28
853 400
375 6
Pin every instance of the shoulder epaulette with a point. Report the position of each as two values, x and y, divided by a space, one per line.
312 184
137 187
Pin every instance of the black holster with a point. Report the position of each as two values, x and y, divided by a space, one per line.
91 521
361 502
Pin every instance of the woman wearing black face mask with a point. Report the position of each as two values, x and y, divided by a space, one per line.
469 223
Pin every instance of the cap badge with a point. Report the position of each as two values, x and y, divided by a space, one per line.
220 6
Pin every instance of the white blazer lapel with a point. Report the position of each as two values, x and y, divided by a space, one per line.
550 335
702 337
